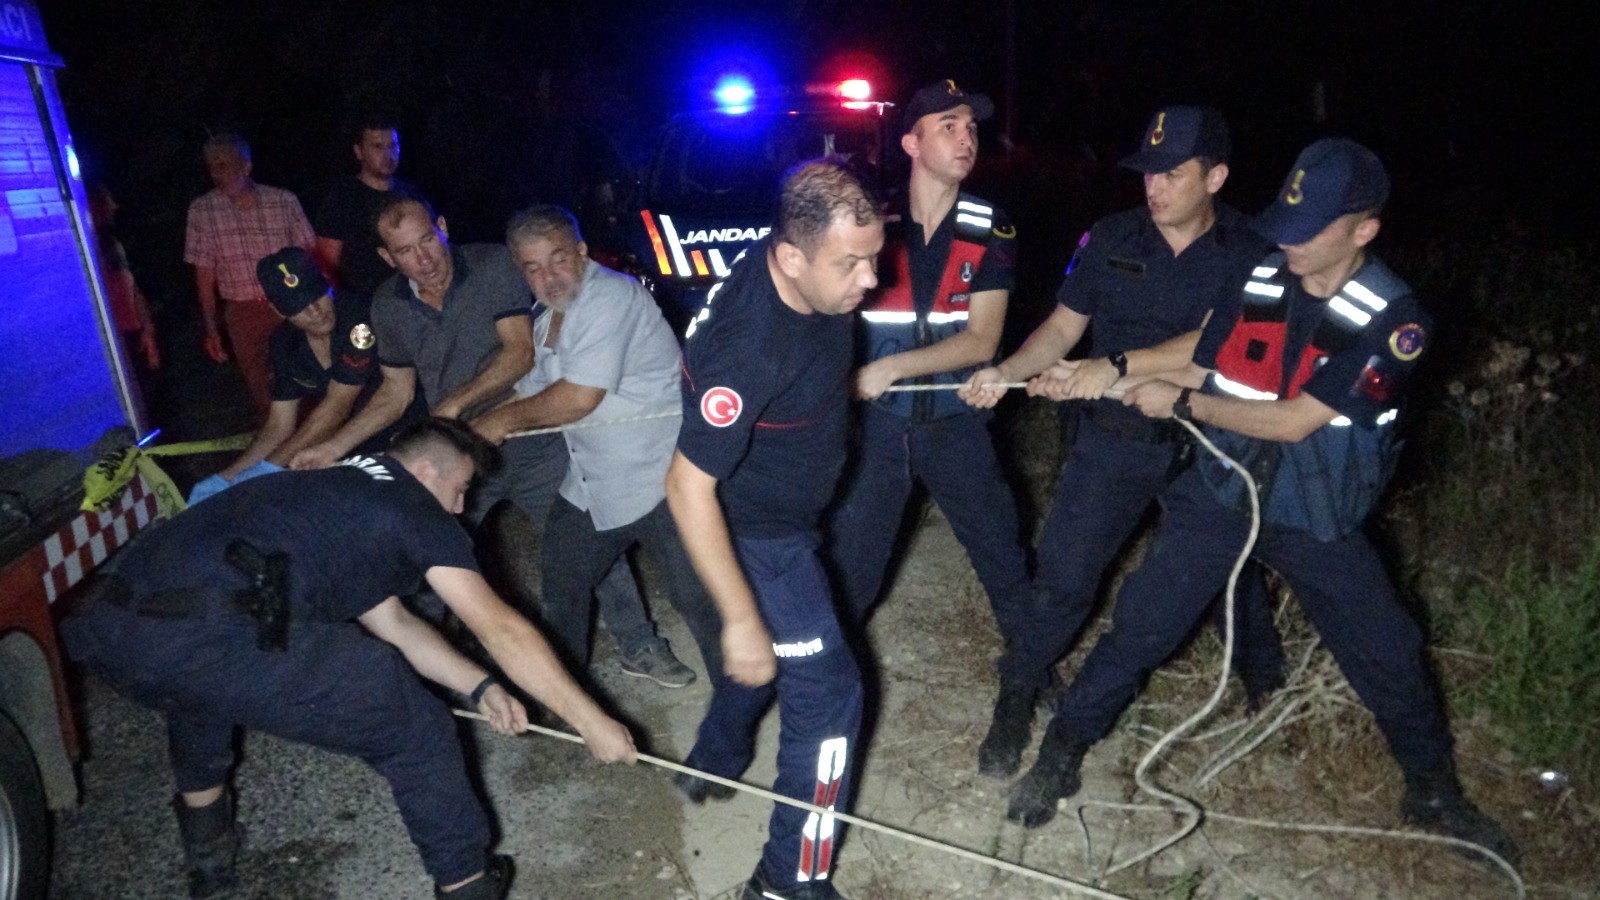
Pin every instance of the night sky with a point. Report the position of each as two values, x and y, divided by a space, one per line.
1473 104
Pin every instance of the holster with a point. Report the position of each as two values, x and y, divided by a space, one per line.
267 598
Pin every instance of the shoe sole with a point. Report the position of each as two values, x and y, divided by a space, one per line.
666 684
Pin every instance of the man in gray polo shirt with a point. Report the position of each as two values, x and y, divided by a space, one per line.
455 323
606 355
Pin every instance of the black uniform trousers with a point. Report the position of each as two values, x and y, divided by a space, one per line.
335 687
1340 584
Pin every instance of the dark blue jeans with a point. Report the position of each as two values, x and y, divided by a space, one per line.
335 687
1340 584
1107 484
577 556
819 695
954 458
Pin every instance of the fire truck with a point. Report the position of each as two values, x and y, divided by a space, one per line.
707 191
65 401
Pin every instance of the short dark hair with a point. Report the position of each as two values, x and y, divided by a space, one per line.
227 140
394 209
435 435
541 221
1207 163
364 124
816 193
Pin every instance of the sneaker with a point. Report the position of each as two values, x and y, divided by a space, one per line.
758 888
1054 776
1438 805
1000 754
494 885
657 663
699 790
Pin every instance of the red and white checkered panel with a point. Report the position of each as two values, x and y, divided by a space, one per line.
85 542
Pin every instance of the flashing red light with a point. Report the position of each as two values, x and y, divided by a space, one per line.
855 89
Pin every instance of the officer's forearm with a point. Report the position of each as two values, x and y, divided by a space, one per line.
517 647
692 498
322 424
427 652
959 351
1051 341
1169 356
528 660
1268 420
273 432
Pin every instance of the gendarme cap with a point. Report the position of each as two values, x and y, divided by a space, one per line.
1331 178
1178 134
290 280
942 96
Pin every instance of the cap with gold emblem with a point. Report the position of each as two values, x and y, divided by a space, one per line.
1178 134
290 280
942 96
1331 178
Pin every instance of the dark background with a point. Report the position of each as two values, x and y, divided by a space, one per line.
1478 107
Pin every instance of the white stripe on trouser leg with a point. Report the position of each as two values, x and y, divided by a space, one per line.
816 842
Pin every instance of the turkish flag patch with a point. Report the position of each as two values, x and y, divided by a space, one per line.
720 406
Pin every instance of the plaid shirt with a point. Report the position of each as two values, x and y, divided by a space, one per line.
230 241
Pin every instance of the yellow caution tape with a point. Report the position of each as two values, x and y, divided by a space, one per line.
104 480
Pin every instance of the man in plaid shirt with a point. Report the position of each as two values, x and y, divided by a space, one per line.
231 227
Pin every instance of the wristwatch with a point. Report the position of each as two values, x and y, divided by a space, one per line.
1119 360
1180 406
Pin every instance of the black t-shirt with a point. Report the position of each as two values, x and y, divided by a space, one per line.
356 534
1125 276
765 399
350 214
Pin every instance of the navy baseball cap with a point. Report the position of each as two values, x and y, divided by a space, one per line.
942 96
290 280
1331 178
1178 134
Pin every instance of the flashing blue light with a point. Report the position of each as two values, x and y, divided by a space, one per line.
149 437
72 163
734 95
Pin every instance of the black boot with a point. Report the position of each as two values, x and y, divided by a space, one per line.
210 844
1054 776
1435 802
1000 754
494 885
698 790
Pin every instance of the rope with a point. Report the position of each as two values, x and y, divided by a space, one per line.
868 824
1192 812
585 423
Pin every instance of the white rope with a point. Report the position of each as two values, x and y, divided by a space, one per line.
585 423
964 853
1191 810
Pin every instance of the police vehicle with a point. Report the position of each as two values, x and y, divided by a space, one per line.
707 191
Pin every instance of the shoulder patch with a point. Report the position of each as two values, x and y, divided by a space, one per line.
361 337
720 406
1406 342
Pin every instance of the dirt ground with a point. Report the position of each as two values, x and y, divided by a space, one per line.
324 826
